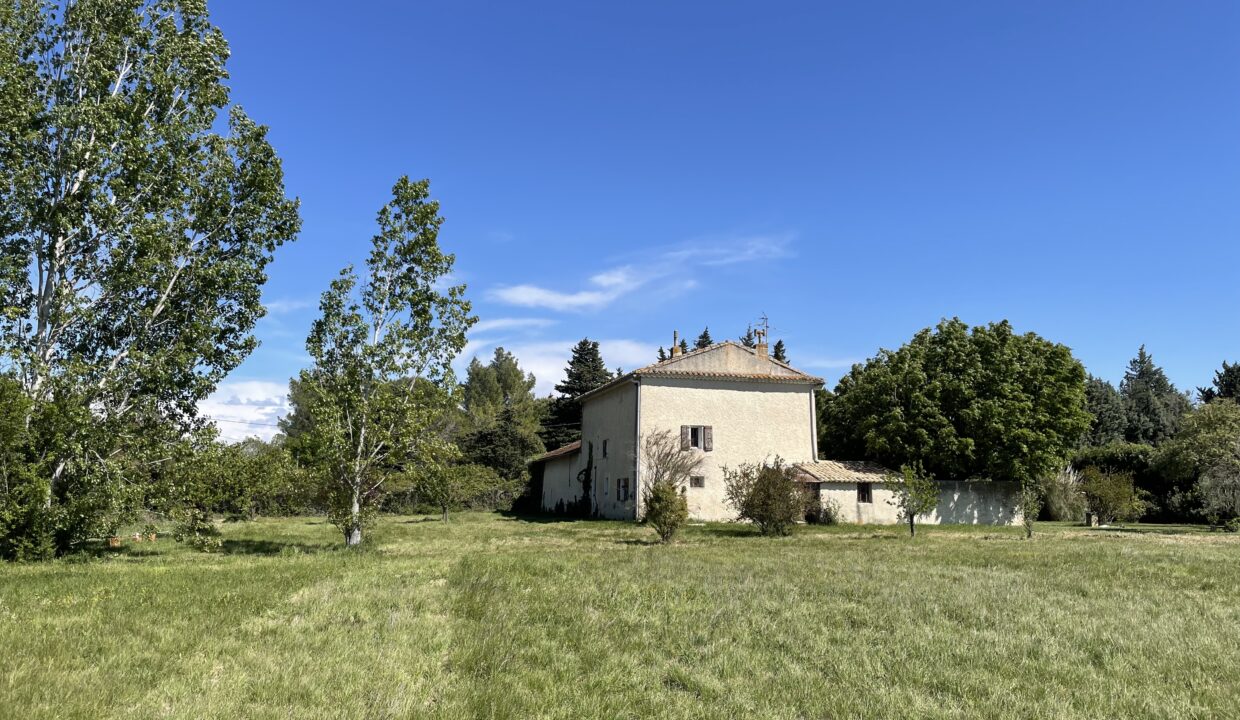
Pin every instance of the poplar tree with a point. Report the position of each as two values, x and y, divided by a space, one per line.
138 213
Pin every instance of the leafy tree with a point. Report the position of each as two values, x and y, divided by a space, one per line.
1219 488
505 447
134 235
667 470
985 403
914 493
704 340
749 339
1226 384
449 486
1208 440
766 494
1112 496
586 371
1153 406
780 352
381 382
1109 421
499 386
1030 503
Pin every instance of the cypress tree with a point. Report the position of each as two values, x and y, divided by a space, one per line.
684 346
749 339
586 371
1153 406
1226 384
780 353
704 340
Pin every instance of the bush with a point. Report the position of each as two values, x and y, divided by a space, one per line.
819 513
768 495
1062 496
195 528
1112 496
666 509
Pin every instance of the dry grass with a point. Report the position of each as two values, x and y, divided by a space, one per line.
496 617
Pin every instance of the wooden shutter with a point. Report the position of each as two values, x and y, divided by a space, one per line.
708 438
684 437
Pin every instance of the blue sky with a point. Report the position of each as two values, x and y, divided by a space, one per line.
856 171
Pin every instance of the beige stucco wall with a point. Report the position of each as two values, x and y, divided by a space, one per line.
752 421
611 418
559 484
982 503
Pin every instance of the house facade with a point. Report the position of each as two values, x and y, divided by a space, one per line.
728 404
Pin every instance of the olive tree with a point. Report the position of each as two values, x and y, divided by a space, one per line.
915 493
372 404
138 213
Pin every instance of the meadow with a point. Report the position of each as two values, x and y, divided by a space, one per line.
491 616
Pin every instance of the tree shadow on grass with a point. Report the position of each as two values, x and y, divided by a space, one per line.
539 518
234 546
638 541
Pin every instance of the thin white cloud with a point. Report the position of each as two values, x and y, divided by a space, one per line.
246 408
510 323
614 283
286 305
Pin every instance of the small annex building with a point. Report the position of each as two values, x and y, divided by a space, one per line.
732 404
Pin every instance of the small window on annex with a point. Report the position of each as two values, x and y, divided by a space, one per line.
622 489
865 492
697 481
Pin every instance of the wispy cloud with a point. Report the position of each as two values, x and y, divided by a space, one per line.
284 306
829 363
510 323
246 408
547 360
614 283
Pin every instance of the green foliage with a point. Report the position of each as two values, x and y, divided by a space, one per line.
985 403
750 338
704 340
1226 384
376 399
195 528
449 487
1030 504
1112 496
819 513
666 471
684 346
780 352
1062 496
1106 406
586 371
766 494
1208 441
1219 489
914 493
134 239
1153 406
498 386
662 354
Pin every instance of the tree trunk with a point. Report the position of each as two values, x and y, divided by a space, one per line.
445 512
353 537
912 527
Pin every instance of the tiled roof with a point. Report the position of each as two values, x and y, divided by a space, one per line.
568 449
844 471
667 368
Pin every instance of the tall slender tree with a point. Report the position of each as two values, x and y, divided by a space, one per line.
704 340
684 346
381 383
1154 407
779 352
750 338
138 213
585 371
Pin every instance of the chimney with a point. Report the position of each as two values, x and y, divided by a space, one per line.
675 343
761 347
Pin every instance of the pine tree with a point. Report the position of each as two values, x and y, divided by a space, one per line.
684 346
749 339
704 340
1226 384
586 371
662 354
1153 406
780 353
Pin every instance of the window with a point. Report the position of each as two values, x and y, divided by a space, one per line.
865 493
622 489
701 437
697 481
604 448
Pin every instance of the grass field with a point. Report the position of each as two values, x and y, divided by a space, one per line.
497 617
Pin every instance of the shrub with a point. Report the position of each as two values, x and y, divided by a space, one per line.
195 528
1219 488
667 469
1112 496
666 509
1030 501
768 495
819 513
1062 496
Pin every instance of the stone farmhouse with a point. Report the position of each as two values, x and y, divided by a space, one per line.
732 404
